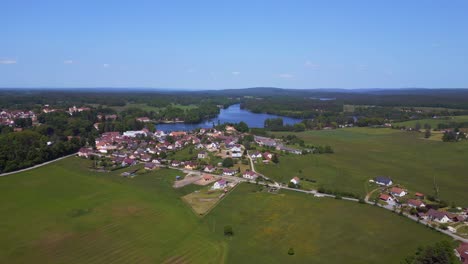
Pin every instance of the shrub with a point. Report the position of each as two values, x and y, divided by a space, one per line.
228 230
291 251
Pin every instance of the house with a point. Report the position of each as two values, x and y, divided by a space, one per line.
295 180
212 146
415 203
236 154
190 165
250 175
438 216
397 192
128 162
209 168
143 119
419 195
157 162
256 155
230 129
175 163
177 133
207 177
133 134
150 166
289 150
386 198
221 184
462 253
145 157
228 172
382 180
264 141
85 152
267 156
236 148
202 155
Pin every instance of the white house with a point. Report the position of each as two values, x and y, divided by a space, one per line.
221 184
438 216
236 149
202 155
295 180
228 172
382 180
250 175
256 155
397 192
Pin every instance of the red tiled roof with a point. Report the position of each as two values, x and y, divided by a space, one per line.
396 190
463 251
384 196
414 202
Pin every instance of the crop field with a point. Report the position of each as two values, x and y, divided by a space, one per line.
65 213
320 230
363 153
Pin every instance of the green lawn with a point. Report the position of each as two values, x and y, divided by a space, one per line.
64 213
321 230
363 153
434 122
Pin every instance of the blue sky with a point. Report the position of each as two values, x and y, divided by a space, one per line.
234 44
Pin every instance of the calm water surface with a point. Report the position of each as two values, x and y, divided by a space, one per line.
232 114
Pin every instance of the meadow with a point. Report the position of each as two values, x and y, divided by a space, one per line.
65 213
363 153
433 122
320 230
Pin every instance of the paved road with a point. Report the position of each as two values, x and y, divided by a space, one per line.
36 166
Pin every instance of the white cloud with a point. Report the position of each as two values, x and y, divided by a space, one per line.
68 61
235 73
105 65
7 61
312 65
286 76
191 70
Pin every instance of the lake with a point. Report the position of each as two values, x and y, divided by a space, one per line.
232 114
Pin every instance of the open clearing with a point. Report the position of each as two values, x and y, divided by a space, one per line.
363 153
64 213
203 200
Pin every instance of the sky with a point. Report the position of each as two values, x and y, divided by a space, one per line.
234 44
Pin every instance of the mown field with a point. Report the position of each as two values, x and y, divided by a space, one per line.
433 122
363 153
64 213
320 230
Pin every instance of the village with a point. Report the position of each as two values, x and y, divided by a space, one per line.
214 157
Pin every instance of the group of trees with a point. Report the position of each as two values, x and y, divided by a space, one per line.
439 253
276 124
57 135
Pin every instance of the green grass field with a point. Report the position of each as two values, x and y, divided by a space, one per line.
434 122
321 230
363 153
64 213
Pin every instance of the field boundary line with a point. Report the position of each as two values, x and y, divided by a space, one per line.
38 165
